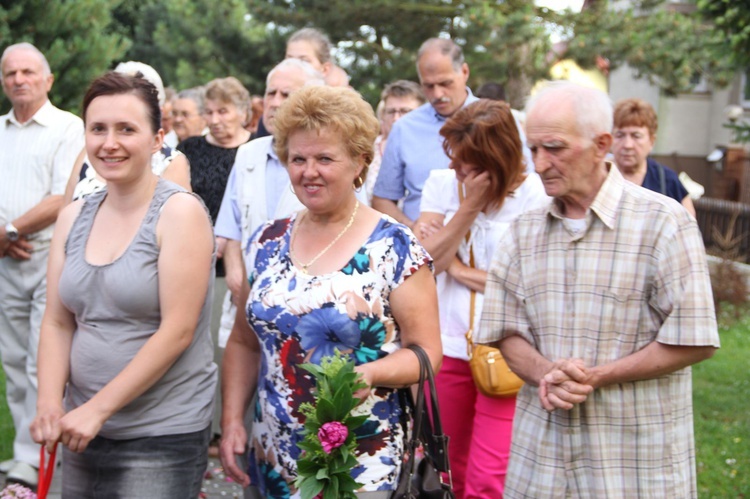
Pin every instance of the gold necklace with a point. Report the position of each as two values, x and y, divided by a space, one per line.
330 245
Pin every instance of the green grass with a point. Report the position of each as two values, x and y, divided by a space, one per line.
7 433
721 403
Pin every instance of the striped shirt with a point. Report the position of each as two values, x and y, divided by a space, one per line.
635 275
36 159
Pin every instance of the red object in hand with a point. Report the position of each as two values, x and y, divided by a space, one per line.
45 472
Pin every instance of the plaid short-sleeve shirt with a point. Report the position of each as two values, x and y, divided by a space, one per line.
636 274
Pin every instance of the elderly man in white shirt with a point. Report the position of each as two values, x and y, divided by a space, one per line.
38 146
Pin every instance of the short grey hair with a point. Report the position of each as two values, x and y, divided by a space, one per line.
195 94
30 48
312 75
143 70
444 46
592 108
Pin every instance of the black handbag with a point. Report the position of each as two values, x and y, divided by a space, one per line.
424 481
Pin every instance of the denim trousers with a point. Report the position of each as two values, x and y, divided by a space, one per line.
163 467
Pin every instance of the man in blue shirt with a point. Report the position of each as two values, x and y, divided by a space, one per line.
415 146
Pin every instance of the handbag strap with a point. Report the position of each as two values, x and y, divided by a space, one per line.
411 444
430 430
473 298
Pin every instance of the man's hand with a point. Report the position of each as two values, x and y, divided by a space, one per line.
4 242
20 250
221 243
565 385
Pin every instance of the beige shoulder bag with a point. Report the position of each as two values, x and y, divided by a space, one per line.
491 373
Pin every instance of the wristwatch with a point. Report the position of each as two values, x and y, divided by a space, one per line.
11 232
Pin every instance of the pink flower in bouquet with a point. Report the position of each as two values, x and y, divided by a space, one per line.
17 491
332 435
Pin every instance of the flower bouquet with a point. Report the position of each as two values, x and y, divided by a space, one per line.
324 469
17 491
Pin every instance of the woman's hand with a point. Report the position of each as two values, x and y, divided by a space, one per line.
366 377
233 444
423 230
455 268
80 426
45 429
478 184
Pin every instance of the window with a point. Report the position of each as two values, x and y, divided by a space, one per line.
745 89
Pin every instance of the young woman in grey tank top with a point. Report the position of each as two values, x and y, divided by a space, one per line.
126 372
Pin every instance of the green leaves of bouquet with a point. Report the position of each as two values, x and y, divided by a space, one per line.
324 469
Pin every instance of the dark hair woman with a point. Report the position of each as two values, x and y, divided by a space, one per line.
126 376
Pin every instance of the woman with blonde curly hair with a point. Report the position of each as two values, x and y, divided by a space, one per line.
336 276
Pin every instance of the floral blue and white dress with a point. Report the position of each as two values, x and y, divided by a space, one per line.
301 318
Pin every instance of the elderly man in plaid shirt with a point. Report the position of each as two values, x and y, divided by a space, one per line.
600 301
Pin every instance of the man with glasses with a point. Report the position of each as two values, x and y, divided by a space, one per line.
396 100
187 114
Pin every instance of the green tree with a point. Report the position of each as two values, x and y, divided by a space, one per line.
732 19
377 39
508 41
191 42
77 38
668 47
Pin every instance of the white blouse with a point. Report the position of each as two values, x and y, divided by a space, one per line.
440 195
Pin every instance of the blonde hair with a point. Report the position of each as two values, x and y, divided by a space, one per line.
338 108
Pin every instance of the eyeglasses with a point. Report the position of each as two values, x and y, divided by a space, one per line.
393 111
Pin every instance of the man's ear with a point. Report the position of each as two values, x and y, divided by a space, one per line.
602 144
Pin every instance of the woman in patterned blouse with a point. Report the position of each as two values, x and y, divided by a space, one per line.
337 275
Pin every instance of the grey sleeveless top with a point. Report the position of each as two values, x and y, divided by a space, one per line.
116 308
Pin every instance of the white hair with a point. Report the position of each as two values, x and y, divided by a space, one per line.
592 108
132 68
195 94
30 48
312 75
